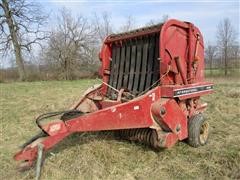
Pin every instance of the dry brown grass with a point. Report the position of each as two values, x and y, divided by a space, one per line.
101 156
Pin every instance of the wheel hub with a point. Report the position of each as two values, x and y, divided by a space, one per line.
204 132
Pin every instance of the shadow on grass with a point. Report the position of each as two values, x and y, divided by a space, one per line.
87 137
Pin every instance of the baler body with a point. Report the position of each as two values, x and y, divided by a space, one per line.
152 80
136 60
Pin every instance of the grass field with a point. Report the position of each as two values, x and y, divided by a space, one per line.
233 72
101 156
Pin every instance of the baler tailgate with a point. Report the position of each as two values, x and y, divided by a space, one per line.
135 64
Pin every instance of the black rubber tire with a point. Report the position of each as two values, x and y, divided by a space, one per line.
198 131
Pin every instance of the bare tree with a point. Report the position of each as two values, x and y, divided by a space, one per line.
21 25
151 22
235 56
165 17
226 37
102 25
210 53
69 45
128 25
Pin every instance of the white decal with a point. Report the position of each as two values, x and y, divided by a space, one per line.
136 107
113 109
55 127
153 96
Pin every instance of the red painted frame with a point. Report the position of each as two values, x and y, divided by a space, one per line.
143 111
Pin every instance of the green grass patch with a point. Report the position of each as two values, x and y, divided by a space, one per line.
100 155
233 72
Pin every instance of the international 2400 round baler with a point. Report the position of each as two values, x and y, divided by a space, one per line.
152 81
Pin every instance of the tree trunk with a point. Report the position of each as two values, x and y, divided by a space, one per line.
14 38
65 69
225 61
211 60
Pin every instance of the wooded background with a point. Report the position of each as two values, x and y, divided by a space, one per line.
69 50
